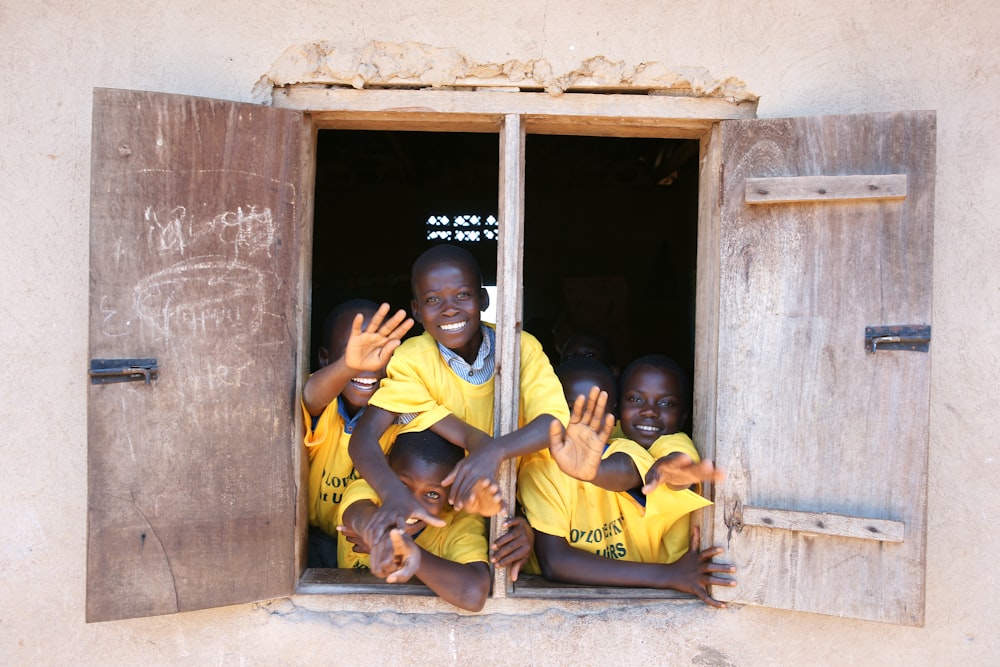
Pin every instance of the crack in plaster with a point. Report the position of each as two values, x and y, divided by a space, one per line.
411 64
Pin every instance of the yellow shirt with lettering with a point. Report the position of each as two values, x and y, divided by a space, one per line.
607 523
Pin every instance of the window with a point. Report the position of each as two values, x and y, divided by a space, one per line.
196 469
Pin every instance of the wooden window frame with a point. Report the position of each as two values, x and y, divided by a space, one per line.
512 115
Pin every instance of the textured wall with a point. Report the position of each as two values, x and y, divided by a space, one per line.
800 58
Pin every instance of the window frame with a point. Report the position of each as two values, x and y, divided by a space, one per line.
512 115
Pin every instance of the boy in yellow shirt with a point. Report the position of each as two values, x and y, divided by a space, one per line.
639 536
357 344
450 559
443 381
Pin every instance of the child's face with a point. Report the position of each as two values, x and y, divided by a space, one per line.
448 301
651 405
359 389
423 479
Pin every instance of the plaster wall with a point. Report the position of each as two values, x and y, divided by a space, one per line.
801 58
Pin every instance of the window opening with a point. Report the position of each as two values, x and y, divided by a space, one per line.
610 229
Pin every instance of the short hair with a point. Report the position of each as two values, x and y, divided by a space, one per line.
426 446
350 307
661 361
586 366
445 254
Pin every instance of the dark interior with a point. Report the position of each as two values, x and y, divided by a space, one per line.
610 228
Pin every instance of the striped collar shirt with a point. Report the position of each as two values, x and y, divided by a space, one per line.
481 368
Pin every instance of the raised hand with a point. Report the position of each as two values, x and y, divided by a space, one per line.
578 448
679 471
369 349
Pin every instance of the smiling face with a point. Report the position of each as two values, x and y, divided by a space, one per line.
652 404
448 300
359 389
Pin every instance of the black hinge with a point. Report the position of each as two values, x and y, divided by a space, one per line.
915 337
105 371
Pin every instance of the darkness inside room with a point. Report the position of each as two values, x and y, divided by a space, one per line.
609 241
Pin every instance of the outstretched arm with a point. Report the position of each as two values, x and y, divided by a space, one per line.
468 491
678 471
692 573
367 349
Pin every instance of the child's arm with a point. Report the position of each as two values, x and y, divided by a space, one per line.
691 573
513 548
398 503
367 350
678 472
396 557
482 463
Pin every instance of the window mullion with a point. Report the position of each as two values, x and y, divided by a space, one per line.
509 296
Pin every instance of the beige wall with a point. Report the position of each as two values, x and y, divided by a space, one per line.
849 56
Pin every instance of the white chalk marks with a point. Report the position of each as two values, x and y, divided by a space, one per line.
203 296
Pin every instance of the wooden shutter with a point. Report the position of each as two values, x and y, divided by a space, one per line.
824 228
198 225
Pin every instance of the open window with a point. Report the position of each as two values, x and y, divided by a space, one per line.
196 480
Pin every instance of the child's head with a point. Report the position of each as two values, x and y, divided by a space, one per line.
336 333
421 459
448 298
653 398
586 343
579 374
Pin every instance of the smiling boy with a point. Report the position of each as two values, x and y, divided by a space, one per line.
451 559
443 380
640 536
357 344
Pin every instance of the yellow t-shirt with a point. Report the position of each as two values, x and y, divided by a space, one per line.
610 524
418 380
330 465
461 540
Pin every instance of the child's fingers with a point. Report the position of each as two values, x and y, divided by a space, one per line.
377 317
515 569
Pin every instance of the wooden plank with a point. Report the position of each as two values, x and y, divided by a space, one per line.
344 581
807 420
782 189
823 523
510 296
435 110
197 242
706 373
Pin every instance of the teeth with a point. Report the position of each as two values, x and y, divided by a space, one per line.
647 428
453 327
365 381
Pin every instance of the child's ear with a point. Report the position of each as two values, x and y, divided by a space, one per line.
415 311
484 299
324 357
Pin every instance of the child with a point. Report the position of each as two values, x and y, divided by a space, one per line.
588 535
443 381
451 559
357 344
